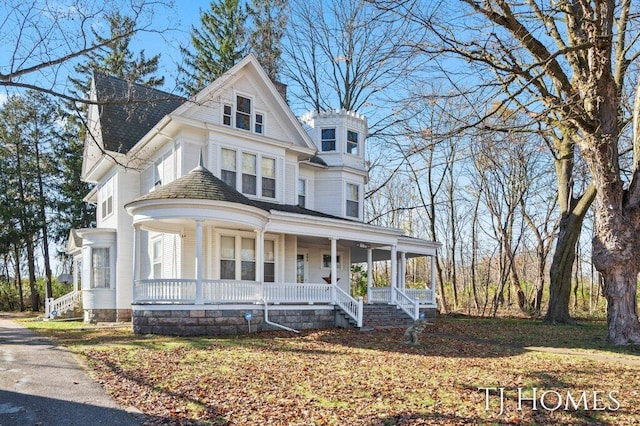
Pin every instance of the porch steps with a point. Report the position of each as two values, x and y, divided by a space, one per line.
382 315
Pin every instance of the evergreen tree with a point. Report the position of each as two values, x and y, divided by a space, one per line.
269 18
115 59
218 45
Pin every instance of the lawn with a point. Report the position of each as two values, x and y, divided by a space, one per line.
347 377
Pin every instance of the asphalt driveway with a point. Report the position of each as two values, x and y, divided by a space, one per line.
43 384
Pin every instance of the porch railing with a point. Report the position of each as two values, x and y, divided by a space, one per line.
223 291
348 304
297 293
422 295
165 291
407 304
380 294
230 291
61 304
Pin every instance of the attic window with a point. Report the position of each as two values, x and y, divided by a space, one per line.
243 113
259 125
226 115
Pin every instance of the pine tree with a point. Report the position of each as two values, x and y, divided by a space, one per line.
115 59
218 45
269 18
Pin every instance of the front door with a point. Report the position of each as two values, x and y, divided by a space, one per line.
301 268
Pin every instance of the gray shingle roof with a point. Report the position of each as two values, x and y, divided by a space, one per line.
198 184
129 110
201 184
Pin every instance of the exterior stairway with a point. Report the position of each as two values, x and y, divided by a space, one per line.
382 315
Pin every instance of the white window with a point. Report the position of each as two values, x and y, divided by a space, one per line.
326 261
248 259
352 142
302 193
101 270
237 258
268 170
227 258
259 124
226 114
269 269
249 174
328 139
353 203
228 169
106 197
243 113
156 254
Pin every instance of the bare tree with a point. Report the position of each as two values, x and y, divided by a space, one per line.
43 39
341 54
566 63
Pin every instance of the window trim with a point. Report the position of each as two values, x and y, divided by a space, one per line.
92 280
256 124
156 260
259 176
349 143
225 115
255 175
106 194
334 139
349 200
238 236
304 193
338 260
263 177
235 163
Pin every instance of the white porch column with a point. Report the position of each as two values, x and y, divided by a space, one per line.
369 273
199 262
259 255
403 271
137 239
334 266
394 272
433 279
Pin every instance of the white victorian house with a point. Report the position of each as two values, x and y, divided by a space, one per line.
224 213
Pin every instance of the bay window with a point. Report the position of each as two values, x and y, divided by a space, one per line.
249 179
228 168
268 177
101 270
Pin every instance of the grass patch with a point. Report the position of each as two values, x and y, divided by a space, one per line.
349 377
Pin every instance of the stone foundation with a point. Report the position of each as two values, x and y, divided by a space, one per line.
214 322
100 315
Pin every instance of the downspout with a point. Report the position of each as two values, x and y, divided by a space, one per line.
266 319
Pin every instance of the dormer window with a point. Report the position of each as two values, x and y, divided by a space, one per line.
328 140
352 142
243 113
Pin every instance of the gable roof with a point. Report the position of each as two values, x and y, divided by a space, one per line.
250 62
129 110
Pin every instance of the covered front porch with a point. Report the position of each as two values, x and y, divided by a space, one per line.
216 250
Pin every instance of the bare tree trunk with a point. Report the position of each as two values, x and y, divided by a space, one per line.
43 220
19 277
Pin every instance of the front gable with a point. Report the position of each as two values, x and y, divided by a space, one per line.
249 81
